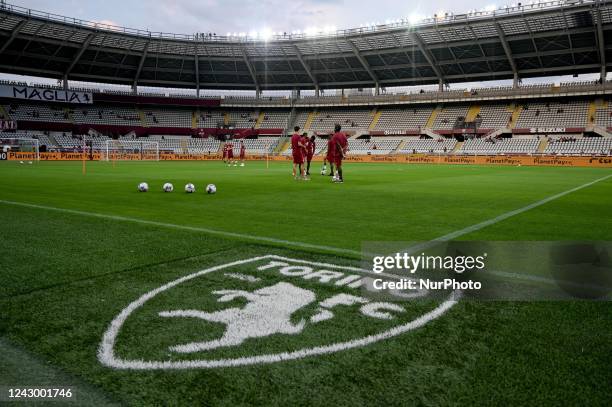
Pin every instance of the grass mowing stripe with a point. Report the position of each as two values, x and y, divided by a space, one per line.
477 226
22 370
304 245
115 272
241 236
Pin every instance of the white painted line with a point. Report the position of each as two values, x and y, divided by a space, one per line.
303 245
242 236
497 219
242 277
106 351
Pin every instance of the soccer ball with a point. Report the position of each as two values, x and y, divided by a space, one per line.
190 188
211 188
168 187
143 187
322 172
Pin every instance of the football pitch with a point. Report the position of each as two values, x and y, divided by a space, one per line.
95 275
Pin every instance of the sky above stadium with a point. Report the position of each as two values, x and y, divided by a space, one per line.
223 16
236 16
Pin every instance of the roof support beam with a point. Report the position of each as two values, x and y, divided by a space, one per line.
366 65
251 71
141 63
13 36
79 54
508 51
428 56
306 68
601 44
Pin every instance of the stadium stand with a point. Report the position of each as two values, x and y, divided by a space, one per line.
43 139
437 146
210 119
494 116
262 145
490 145
402 119
375 146
274 120
579 146
105 115
603 116
243 119
167 118
350 120
182 144
39 113
553 114
448 117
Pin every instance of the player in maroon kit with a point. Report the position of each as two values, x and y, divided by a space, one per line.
230 154
340 148
242 153
329 157
297 148
310 150
306 144
225 152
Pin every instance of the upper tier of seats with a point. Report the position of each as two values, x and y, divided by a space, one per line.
554 114
388 119
402 119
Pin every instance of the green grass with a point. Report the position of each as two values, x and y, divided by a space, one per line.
66 276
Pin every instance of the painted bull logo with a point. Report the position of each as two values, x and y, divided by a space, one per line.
268 312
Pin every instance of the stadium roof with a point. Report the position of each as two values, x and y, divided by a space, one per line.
544 39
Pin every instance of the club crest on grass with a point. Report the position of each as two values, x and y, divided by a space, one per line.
260 310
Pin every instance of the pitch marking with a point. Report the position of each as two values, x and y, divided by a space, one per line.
106 353
303 245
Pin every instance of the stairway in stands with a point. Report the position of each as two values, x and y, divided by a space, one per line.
260 119
400 146
594 105
309 120
376 113
68 112
543 144
282 146
52 139
516 112
432 118
457 147
141 115
473 111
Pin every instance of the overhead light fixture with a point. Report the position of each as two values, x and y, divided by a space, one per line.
414 19
265 34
